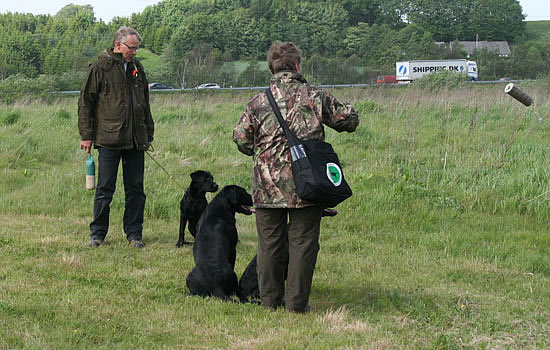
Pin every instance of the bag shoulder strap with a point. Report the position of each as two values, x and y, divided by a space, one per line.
292 139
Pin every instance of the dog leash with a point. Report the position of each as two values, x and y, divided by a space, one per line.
166 171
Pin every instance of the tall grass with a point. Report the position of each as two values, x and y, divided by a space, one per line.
444 245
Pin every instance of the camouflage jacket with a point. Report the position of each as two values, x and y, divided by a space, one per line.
113 109
305 108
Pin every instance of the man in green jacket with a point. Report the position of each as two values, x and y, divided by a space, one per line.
115 116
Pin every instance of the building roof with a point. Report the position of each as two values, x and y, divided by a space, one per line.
499 47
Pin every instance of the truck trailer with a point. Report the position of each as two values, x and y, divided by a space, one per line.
407 71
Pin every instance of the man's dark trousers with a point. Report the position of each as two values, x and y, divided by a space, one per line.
303 246
132 171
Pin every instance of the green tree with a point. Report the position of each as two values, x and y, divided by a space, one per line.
463 20
19 53
244 35
414 41
496 20
445 19
491 66
195 30
362 11
71 10
317 27
376 45
254 75
201 64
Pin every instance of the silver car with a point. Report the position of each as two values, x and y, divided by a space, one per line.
208 86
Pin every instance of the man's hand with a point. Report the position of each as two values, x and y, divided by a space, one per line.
148 146
86 145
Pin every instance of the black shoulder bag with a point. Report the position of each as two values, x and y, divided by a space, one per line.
316 170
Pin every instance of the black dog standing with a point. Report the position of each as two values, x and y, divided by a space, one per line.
215 244
194 202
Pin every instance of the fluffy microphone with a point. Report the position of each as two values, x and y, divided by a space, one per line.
518 94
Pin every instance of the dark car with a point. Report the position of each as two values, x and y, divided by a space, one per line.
159 86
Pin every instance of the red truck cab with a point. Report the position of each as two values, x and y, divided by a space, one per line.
386 79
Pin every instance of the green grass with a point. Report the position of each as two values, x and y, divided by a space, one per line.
538 30
444 245
240 66
149 60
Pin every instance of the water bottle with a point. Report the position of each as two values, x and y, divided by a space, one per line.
90 173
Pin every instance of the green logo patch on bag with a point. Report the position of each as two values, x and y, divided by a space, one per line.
334 173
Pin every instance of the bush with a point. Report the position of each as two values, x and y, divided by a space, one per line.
63 114
366 106
17 86
161 73
10 117
68 81
443 79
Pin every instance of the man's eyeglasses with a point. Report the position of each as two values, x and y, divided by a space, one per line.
132 48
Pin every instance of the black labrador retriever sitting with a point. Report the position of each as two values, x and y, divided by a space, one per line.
248 284
194 202
215 244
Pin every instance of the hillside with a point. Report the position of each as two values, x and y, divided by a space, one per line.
538 31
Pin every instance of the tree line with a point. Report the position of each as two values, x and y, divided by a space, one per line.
343 41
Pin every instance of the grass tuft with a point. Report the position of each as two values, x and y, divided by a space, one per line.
10 117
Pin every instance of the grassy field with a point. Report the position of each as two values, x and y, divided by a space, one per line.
538 30
149 59
444 245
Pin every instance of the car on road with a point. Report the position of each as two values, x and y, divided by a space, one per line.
159 86
208 86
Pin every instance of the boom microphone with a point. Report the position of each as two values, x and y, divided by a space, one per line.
518 94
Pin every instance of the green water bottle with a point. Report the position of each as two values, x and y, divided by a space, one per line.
90 173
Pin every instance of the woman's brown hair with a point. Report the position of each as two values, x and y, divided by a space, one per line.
283 56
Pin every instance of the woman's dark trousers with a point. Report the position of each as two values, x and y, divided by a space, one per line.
302 226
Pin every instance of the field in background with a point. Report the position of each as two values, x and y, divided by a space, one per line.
538 30
444 245
149 59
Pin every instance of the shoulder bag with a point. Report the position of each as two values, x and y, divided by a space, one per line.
316 170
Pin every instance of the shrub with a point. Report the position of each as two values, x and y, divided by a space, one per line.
68 81
17 86
63 114
10 117
366 106
442 79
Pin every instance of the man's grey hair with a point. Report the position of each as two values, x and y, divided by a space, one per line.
123 32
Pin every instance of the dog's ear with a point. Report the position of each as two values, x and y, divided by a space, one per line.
234 194
243 198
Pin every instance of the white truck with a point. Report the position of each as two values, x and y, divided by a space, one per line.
407 71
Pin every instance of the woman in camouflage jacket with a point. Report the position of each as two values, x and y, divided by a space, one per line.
279 210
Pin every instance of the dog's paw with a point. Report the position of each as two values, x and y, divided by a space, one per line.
182 243
329 212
